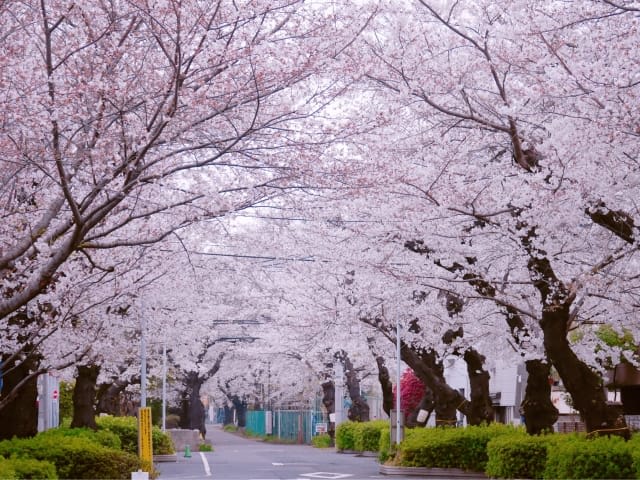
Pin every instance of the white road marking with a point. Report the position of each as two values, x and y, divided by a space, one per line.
328 475
277 464
207 470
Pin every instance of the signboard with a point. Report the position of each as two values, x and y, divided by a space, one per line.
321 428
145 445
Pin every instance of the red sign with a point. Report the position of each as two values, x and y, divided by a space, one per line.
55 394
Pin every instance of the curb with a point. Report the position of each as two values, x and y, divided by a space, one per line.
448 473
166 458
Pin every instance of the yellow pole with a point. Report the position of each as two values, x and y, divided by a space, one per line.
145 443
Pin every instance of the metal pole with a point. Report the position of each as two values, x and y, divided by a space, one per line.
398 410
164 386
143 357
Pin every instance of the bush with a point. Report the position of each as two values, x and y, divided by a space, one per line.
384 444
368 435
126 428
27 468
346 435
105 438
321 441
579 457
518 455
73 456
450 447
634 445
230 428
205 447
6 470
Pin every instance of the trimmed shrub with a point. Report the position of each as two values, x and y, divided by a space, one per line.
105 438
368 435
578 457
384 444
6 470
518 455
321 441
346 435
450 447
28 468
73 457
634 445
126 428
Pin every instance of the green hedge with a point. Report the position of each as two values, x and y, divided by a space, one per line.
346 435
518 455
634 444
449 447
73 456
578 457
368 435
126 428
360 436
105 438
7 472
28 468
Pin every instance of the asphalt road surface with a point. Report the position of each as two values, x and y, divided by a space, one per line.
238 458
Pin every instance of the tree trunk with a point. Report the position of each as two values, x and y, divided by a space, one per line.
385 384
329 402
583 384
427 404
109 397
19 417
481 410
539 412
359 411
431 372
241 410
193 413
84 397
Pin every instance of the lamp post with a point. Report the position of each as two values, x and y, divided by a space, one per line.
398 398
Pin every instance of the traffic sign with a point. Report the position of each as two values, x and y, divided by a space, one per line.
54 394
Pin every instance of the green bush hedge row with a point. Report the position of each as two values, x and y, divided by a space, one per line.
126 429
26 468
508 452
73 456
360 436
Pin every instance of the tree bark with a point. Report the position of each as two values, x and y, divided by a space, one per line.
359 411
385 384
585 386
329 402
430 371
109 397
192 408
84 397
481 410
539 413
19 417
427 404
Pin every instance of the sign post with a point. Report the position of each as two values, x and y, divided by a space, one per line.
145 445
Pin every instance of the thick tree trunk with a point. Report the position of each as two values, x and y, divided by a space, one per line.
19 417
539 412
430 371
583 384
109 397
228 415
385 384
329 402
84 397
192 408
481 410
241 410
427 404
359 411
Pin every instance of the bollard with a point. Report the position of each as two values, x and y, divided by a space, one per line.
187 451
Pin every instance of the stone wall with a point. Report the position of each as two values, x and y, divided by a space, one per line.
182 437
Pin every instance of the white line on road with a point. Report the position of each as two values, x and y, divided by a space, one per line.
207 470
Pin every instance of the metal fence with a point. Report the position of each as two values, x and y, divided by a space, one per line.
291 425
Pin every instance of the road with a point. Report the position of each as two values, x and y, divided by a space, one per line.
238 458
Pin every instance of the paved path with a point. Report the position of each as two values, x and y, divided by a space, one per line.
238 458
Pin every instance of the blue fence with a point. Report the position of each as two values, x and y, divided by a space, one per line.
293 425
